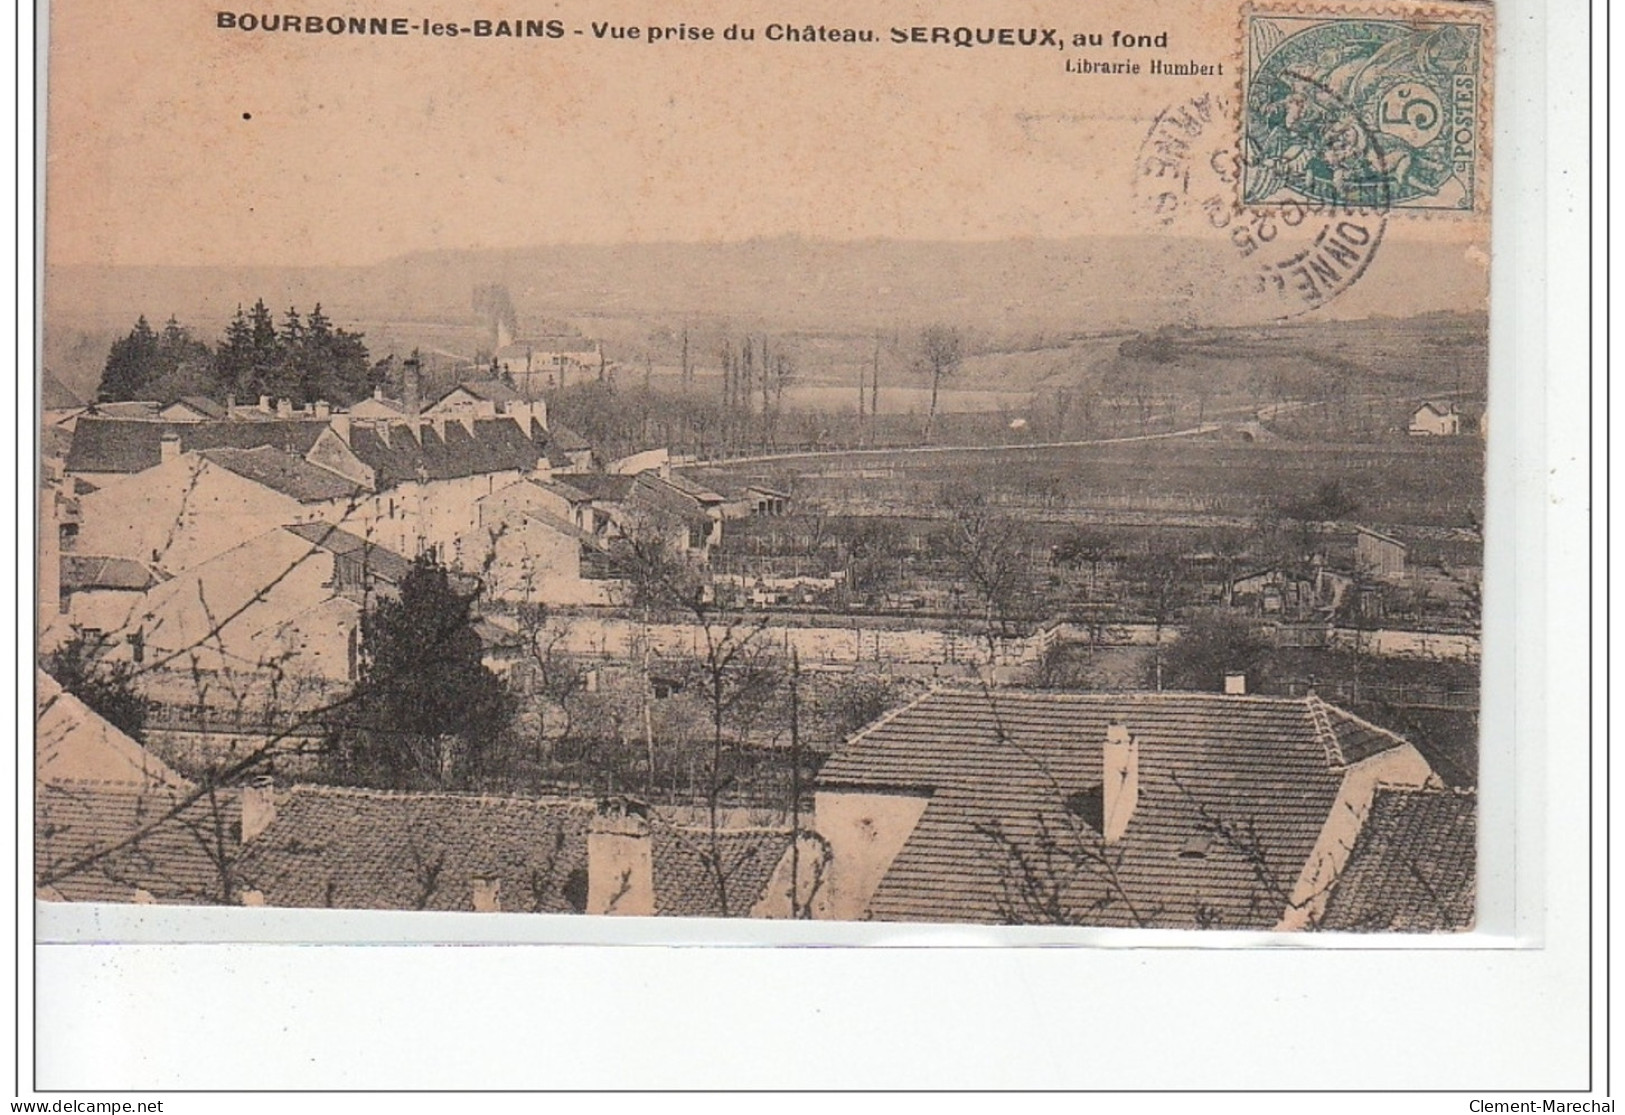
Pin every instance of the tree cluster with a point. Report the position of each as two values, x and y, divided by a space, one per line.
426 711
106 685
144 364
304 359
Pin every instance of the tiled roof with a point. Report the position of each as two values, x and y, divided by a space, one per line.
694 488
174 859
1380 536
83 571
566 440
725 484
1356 739
122 445
495 445
564 527
565 491
651 494
1233 792
603 486
55 443
72 743
368 849
486 390
494 636
363 407
141 410
203 405
685 876
510 445
54 394
1414 866
283 472
382 563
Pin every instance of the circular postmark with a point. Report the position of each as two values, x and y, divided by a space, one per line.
1231 263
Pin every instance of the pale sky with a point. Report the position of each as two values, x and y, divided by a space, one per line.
358 149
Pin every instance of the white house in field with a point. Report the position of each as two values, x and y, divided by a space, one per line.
543 363
1435 420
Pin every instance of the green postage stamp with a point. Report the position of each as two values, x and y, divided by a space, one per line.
1364 111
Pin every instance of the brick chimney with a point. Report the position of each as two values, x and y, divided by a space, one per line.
259 808
265 403
1120 781
487 895
620 862
169 448
412 386
1235 685
321 409
284 408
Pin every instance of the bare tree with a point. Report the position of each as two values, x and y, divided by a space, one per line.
1084 546
1161 581
559 675
941 352
992 554
735 666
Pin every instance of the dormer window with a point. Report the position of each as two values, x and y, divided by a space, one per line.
1089 806
1197 847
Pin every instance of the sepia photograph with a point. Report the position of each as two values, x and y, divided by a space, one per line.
1012 473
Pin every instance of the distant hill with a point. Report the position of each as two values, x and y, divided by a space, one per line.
787 282
1060 286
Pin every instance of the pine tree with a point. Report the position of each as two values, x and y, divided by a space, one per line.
186 366
267 351
132 363
234 358
426 711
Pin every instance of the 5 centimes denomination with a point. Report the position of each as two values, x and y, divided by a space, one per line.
1364 111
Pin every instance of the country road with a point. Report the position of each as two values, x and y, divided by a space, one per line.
824 454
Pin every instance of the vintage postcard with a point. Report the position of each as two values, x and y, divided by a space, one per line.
1012 464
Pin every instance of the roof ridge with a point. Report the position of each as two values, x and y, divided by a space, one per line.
1127 694
888 717
1434 790
1362 721
705 830
149 785
1316 709
324 789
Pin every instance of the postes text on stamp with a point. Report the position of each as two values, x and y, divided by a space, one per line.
1363 111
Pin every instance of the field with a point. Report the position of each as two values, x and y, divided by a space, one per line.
1415 482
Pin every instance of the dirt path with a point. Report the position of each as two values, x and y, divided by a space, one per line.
916 450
